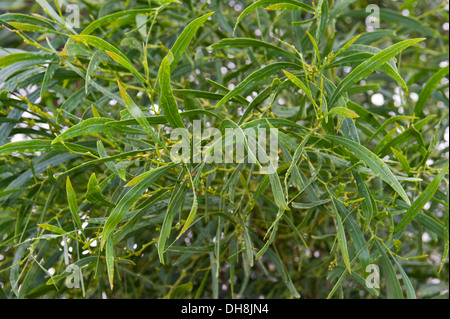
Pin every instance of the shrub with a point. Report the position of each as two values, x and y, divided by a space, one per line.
90 195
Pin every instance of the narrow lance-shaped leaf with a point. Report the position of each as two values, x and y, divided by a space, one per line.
402 159
39 146
53 229
409 288
296 157
26 19
395 17
358 58
94 193
72 199
367 204
167 100
111 18
342 240
389 121
50 11
429 89
52 67
25 56
300 84
191 216
93 125
110 260
446 231
249 42
265 3
97 58
393 287
370 66
420 202
184 39
112 51
277 191
193 211
374 162
255 77
136 112
273 231
247 242
175 204
342 111
111 166
140 184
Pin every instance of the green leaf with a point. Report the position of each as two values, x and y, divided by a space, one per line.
370 66
358 58
94 193
277 191
93 125
184 39
112 51
50 11
130 199
248 245
356 234
310 205
296 157
273 231
53 229
409 288
97 58
420 202
398 244
342 111
446 234
108 19
428 89
402 159
26 19
389 121
342 240
395 18
176 200
373 162
254 78
73 205
393 287
300 84
191 216
368 204
405 135
14 272
19 57
249 42
39 146
110 260
276 5
167 100
137 114
52 67
111 166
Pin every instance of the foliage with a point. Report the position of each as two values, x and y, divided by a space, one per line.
86 178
